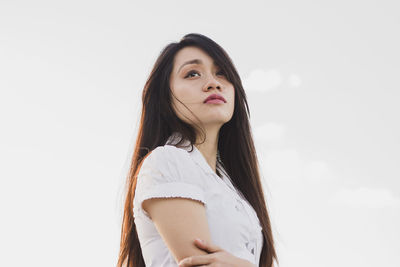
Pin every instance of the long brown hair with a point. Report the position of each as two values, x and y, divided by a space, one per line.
158 121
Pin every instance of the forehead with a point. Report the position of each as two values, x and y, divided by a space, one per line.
189 53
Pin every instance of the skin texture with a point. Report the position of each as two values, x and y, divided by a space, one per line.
216 256
178 220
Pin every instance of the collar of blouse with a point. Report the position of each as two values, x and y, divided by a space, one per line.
195 154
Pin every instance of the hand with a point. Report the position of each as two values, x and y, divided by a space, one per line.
216 256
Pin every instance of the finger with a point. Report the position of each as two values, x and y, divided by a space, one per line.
195 261
211 248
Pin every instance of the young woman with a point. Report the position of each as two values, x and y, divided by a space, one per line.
194 171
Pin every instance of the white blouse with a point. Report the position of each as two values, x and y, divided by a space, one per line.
171 171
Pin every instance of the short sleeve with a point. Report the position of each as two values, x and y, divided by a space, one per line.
168 172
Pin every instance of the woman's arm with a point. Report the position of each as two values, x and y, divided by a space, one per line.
217 257
179 221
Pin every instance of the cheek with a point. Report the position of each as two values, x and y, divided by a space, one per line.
181 98
176 91
182 93
232 94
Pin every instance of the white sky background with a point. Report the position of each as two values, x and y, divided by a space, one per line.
322 80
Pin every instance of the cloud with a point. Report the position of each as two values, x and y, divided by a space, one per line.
269 133
282 164
316 171
263 80
294 80
285 164
364 197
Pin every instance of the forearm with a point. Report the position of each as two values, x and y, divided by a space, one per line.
246 263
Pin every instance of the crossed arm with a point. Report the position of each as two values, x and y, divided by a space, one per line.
180 221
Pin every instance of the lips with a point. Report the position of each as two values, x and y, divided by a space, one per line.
214 96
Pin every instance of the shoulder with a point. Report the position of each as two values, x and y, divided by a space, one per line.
167 154
168 160
168 170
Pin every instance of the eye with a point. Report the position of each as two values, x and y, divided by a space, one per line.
190 73
221 72
195 72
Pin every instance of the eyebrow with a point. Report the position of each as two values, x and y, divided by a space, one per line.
193 61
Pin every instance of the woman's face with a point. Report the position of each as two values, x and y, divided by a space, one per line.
192 83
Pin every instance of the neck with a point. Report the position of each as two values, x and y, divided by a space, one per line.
210 147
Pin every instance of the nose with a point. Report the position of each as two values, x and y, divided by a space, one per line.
212 83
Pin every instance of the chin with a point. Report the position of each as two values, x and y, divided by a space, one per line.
217 121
